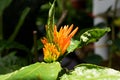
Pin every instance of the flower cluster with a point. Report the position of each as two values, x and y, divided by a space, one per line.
61 41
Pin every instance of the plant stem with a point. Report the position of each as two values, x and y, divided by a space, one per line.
35 45
110 60
113 33
64 13
1 28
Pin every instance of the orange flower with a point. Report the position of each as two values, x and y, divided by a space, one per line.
61 40
44 40
63 37
50 52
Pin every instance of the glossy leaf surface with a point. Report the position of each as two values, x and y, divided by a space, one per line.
92 35
91 72
37 71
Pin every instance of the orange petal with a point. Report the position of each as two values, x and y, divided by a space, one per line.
44 40
70 29
73 32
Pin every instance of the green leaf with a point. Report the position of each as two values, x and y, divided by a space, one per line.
37 71
93 59
51 15
91 72
11 62
73 45
5 44
19 24
4 4
92 35
86 37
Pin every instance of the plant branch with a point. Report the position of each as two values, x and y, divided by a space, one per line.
61 19
64 13
35 45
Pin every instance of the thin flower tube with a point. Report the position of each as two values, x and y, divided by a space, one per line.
61 41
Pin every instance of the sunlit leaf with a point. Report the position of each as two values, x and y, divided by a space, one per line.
92 35
91 72
73 45
86 37
37 71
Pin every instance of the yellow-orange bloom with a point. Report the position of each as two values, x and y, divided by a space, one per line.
50 52
63 36
61 41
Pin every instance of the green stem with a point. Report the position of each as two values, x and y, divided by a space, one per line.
110 60
35 45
